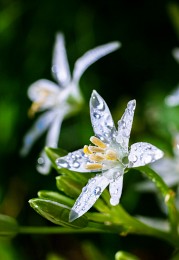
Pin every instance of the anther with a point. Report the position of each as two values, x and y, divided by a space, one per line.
96 141
111 155
93 166
96 157
86 150
95 149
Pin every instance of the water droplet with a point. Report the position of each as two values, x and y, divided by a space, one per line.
123 124
78 203
62 163
96 115
76 164
85 190
97 191
99 104
134 158
125 160
41 161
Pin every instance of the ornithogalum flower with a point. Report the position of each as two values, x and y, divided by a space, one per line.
58 100
109 155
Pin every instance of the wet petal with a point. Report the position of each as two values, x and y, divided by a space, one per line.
39 127
101 118
92 56
60 66
75 161
89 195
143 153
173 98
125 125
115 189
45 92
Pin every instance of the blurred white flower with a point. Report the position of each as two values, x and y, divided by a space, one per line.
109 154
58 100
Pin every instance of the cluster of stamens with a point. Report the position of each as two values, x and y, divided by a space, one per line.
98 154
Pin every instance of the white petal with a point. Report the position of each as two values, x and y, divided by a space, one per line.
36 131
43 163
45 92
89 195
60 66
173 98
125 125
101 118
92 56
115 189
143 153
74 161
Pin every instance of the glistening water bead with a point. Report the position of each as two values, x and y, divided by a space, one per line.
98 103
97 191
62 163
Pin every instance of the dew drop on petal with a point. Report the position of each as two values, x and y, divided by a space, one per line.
97 191
41 161
85 190
147 159
76 164
96 115
134 158
62 163
99 104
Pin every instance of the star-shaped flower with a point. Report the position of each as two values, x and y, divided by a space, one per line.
58 100
109 155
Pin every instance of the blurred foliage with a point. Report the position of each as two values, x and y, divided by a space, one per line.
143 69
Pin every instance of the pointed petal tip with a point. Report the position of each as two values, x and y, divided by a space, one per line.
73 215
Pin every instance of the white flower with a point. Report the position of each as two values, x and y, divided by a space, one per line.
58 100
109 155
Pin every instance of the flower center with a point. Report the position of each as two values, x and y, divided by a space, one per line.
98 154
36 105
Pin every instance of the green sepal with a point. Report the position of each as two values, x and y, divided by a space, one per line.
8 226
122 255
57 213
55 196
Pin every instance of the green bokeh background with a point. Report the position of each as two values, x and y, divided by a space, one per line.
143 69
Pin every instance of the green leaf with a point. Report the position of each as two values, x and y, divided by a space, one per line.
122 255
55 196
70 187
56 213
8 226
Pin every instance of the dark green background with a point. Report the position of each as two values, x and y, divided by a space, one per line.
143 69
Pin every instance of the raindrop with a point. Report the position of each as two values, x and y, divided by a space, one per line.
78 203
134 158
62 163
147 159
125 160
76 164
85 190
97 191
99 104
96 115
41 161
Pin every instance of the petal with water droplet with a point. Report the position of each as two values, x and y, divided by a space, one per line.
115 189
101 118
89 195
125 125
143 153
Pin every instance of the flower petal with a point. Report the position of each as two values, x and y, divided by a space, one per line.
60 66
39 127
101 118
125 125
115 189
89 195
173 98
143 153
51 141
45 92
92 56
75 161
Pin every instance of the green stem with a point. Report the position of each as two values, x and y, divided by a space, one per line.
169 197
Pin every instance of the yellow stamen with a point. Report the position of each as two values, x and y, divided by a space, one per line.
96 141
96 157
93 166
34 108
86 150
111 155
95 149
